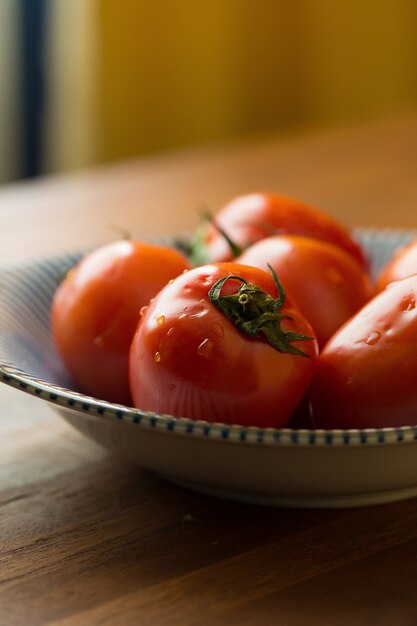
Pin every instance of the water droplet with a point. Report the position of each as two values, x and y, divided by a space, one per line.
182 316
184 308
143 310
205 348
98 341
171 280
217 329
408 304
160 319
157 357
373 338
334 275
202 301
184 271
170 331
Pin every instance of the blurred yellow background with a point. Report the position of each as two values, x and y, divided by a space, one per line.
178 72
132 77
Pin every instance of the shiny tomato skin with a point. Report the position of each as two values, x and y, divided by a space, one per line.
188 359
96 309
327 284
366 375
249 218
402 265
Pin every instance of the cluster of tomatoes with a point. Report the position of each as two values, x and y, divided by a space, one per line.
271 320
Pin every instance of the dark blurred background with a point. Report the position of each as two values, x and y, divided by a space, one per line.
88 81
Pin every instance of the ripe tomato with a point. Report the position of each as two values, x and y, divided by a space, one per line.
205 349
402 265
366 375
249 218
327 284
96 309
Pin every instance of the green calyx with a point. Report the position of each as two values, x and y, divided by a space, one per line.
234 248
256 313
198 251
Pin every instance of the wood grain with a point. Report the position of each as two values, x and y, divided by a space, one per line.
87 539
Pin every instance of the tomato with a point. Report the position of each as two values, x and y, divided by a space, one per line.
96 309
203 351
249 218
327 284
402 265
301 418
366 375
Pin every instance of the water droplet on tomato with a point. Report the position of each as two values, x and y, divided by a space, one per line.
160 319
205 348
184 271
184 308
217 329
182 316
408 304
170 331
334 275
98 341
202 301
206 281
157 356
171 280
373 338
143 310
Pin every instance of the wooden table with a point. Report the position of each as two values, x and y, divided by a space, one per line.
88 540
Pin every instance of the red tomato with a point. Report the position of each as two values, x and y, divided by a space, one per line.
367 373
402 265
193 359
249 218
301 418
327 284
96 309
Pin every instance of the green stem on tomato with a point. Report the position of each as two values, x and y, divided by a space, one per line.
234 248
198 253
255 313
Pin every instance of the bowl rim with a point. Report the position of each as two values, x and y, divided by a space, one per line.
94 408
70 400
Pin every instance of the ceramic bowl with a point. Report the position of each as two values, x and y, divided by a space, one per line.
295 468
